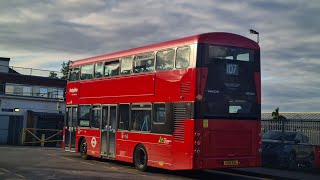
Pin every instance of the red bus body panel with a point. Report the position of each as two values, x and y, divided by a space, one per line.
317 157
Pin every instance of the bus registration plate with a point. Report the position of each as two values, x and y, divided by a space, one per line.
231 163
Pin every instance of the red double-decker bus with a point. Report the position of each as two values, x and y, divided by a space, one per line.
189 103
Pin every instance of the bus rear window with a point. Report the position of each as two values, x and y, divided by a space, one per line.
230 53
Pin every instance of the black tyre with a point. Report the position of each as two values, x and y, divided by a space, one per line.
83 149
140 158
292 161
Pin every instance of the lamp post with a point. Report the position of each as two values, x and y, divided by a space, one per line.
255 32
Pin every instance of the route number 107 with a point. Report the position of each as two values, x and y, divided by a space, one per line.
232 69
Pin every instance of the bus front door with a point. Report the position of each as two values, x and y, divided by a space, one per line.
70 131
108 131
112 132
104 131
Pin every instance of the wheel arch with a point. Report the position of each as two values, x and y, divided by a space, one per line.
79 142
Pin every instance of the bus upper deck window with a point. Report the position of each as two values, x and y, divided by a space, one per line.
111 68
165 60
98 70
74 74
86 72
144 63
183 57
126 65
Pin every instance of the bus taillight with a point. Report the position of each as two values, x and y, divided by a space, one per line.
197 143
197 134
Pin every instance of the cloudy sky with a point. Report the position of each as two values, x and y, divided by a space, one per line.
45 33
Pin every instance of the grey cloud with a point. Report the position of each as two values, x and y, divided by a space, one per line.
58 30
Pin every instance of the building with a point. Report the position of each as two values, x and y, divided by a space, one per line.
29 98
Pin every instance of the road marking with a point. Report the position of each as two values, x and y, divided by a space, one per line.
19 175
60 157
5 170
67 158
86 163
1 173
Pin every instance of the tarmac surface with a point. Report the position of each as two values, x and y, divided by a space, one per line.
21 162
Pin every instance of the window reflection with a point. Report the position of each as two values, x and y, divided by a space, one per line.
34 91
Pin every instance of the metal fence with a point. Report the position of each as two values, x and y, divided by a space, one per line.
295 122
33 72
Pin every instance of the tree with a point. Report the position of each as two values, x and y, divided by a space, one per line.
53 74
65 70
277 116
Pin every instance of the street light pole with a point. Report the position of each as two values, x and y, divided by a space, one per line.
255 32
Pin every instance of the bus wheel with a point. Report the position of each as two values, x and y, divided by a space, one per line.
140 158
83 149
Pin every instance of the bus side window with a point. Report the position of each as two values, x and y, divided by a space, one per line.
124 111
84 115
165 60
111 68
159 114
126 65
98 70
74 74
183 57
95 119
86 72
141 118
144 63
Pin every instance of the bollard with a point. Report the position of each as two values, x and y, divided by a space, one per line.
42 140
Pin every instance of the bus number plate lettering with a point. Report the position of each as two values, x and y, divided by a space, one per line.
231 163
232 69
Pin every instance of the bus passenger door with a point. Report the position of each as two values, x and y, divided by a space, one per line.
71 127
104 130
112 132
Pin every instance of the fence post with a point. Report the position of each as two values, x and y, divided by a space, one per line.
42 140
23 138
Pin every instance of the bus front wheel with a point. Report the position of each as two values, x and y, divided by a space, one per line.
83 149
140 158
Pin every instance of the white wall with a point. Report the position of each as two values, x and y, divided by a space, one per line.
27 104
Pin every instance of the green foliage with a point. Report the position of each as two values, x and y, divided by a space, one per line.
65 70
53 74
276 115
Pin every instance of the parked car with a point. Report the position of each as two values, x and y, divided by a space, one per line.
296 149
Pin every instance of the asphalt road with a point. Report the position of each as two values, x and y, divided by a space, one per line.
53 163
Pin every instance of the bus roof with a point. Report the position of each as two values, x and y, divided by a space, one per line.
219 38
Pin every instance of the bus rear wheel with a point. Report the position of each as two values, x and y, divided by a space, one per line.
140 158
83 149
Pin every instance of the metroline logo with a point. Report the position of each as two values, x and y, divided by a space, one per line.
73 90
